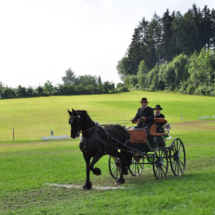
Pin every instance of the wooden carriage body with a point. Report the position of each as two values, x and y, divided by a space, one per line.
148 147
147 140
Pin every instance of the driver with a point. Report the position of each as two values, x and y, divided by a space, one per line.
145 115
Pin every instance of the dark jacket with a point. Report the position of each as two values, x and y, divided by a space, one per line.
145 112
159 125
160 116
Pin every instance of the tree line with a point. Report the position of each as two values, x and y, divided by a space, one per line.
165 53
72 85
193 74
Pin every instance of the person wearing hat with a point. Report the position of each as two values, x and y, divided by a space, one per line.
158 114
145 114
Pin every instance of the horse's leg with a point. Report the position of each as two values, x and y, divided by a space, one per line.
96 171
88 184
121 180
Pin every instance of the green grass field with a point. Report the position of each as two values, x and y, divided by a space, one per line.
33 118
28 163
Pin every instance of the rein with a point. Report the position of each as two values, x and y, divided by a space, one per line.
91 128
124 146
129 149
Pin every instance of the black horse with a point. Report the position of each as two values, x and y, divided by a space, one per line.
97 141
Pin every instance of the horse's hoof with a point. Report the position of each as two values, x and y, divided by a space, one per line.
87 186
118 182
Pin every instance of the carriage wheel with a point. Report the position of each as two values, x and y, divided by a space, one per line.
177 157
137 164
114 167
160 163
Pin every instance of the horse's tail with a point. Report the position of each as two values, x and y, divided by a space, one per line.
126 135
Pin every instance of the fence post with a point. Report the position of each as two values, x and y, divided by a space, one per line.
13 135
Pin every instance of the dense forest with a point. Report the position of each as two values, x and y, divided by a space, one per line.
72 85
173 52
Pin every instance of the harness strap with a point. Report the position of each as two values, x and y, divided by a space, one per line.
109 137
97 125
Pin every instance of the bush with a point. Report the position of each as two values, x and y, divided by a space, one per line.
190 89
122 89
213 93
133 80
138 87
204 91
119 85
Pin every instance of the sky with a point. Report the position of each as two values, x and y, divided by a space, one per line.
41 39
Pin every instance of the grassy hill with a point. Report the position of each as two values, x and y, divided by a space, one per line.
33 118
26 166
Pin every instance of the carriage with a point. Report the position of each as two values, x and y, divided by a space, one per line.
149 147
129 148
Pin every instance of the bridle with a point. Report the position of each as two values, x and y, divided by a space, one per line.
78 123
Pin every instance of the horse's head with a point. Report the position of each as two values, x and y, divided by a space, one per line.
75 122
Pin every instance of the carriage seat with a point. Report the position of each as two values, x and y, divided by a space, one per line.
155 120
154 127
137 136
159 120
152 131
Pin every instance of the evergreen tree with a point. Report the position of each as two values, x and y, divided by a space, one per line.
167 46
207 27
161 39
99 80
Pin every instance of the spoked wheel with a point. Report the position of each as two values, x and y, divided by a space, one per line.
177 157
137 164
160 163
114 167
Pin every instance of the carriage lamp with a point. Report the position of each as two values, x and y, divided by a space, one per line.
167 128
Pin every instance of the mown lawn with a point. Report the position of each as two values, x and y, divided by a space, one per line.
26 167
33 118
27 164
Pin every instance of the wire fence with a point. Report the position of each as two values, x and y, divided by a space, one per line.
35 134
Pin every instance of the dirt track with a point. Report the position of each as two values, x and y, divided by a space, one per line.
68 186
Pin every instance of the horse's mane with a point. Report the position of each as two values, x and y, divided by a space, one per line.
84 112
